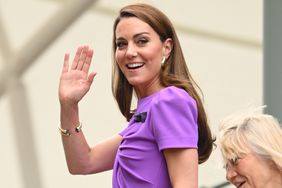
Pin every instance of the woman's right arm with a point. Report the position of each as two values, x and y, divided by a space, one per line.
75 82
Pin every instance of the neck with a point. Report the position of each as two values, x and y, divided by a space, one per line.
148 89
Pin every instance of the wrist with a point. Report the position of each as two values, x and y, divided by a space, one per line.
68 106
68 102
69 116
68 132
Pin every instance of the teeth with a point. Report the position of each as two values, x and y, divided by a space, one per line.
134 65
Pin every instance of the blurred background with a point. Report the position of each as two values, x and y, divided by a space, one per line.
222 41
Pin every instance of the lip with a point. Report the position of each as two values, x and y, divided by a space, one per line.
239 184
134 65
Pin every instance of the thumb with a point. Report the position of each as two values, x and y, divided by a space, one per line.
91 77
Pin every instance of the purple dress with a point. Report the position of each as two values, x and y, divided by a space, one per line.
166 119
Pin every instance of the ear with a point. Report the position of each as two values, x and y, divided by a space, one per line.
167 47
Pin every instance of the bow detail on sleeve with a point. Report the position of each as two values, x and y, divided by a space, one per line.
141 117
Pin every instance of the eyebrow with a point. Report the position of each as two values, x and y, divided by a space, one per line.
134 36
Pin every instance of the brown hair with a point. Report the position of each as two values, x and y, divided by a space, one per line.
174 72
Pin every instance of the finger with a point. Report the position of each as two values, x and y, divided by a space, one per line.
82 58
66 63
76 57
88 60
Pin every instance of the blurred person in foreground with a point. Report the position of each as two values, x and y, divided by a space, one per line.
251 146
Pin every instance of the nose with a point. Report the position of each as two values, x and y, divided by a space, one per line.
131 51
230 173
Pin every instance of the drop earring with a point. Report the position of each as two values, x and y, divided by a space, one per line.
163 60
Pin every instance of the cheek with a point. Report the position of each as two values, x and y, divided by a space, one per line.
247 171
153 55
118 57
156 54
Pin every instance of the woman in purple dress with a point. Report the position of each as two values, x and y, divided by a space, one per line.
167 135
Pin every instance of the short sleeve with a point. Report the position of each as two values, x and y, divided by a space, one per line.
174 120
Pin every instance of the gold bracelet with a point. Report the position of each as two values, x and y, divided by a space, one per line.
66 132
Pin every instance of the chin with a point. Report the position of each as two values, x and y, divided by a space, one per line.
133 82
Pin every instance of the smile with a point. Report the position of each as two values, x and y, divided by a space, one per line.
240 184
135 65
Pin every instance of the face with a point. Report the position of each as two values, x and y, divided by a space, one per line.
139 53
250 171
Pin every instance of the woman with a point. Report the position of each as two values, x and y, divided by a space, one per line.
251 146
167 134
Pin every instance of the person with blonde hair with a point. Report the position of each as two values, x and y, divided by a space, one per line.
251 146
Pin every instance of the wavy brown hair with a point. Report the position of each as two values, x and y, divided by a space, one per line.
174 72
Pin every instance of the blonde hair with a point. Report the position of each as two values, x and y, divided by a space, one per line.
255 133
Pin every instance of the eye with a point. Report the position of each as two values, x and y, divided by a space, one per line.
142 41
121 44
234 161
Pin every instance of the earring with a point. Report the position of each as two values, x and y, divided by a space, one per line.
163 60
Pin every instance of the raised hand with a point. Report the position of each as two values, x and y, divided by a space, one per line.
75 81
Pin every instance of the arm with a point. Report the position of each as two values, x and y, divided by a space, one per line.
183 167
81 159
75 82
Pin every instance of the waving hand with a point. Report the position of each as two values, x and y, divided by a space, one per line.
75 81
